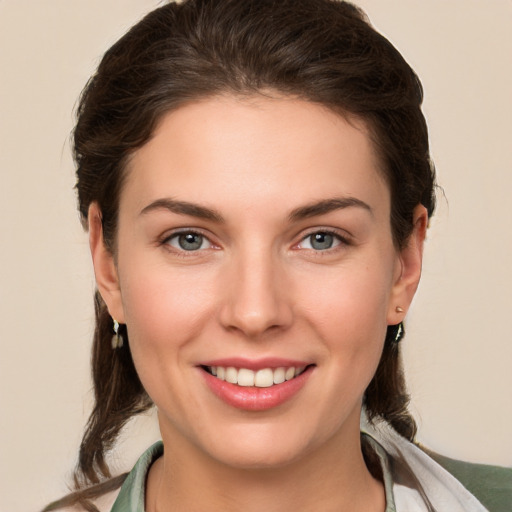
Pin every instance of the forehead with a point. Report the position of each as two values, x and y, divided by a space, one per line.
256 149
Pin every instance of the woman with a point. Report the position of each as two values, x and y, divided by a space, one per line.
256 181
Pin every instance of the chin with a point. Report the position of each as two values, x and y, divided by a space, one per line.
257 460
260 450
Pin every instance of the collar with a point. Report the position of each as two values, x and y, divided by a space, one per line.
413 482
419 483
131 497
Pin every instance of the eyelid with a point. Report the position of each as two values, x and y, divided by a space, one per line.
342 236
168 235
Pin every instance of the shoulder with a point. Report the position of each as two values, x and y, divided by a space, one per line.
132 493
440 482
118 494
491 485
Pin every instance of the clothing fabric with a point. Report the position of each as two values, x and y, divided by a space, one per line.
424 481
413 480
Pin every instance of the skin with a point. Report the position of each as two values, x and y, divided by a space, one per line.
258 288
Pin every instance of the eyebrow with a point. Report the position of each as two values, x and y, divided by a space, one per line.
303 212
184 208
327 206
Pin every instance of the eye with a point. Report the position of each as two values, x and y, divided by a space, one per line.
321 241
188 241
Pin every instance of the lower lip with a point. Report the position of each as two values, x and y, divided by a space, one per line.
253 398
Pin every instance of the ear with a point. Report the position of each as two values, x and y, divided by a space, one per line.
408 271
105 269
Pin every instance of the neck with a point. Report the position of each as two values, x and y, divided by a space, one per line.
333 478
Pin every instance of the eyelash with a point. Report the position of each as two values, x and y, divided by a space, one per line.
340 239
184 253
343 241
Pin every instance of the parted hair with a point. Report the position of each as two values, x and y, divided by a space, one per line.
323 51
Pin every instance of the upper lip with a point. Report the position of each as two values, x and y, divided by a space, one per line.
255 364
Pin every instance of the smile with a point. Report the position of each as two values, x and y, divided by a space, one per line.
266 385
263 378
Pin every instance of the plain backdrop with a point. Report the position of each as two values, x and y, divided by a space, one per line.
458 350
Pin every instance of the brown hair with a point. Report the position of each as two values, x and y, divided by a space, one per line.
323 51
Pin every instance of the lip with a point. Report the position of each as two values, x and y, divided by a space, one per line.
255 364
253 398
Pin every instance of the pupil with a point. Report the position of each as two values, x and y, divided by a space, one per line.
190 241
321 241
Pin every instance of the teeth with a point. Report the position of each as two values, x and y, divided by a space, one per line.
245 377
263 378
231 375
279 375
290 373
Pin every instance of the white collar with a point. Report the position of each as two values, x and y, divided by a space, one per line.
419 483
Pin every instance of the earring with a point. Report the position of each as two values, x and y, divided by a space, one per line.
395 333
400 331
398 309
117 339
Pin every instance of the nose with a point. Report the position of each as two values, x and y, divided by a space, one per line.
255 296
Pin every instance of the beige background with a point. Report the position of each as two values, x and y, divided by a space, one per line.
458 350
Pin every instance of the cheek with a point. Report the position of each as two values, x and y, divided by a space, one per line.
165 312
164 307
356 299
348 311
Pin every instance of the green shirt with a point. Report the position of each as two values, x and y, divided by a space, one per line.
491 485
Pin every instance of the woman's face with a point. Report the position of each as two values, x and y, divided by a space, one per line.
254 242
